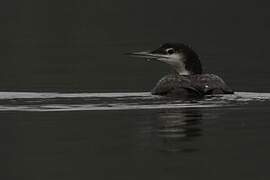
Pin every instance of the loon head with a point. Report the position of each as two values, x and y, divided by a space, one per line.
180 56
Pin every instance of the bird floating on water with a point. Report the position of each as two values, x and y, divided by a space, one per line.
188 81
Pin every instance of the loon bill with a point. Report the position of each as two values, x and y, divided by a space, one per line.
188 79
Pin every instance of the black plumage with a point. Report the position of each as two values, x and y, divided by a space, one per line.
197 85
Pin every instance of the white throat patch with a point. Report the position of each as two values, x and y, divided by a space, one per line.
177 62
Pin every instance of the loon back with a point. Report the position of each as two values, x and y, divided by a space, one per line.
196 85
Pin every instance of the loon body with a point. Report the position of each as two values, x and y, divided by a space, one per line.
190 85
188 80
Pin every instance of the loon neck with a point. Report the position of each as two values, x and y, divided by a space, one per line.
193 66
183 71
187 65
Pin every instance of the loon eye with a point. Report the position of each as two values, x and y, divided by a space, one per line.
170 51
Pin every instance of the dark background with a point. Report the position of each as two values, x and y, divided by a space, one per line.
74 46
79 45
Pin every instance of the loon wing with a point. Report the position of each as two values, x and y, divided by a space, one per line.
176 86
191 86
212 84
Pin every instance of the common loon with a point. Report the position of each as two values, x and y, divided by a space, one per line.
188 80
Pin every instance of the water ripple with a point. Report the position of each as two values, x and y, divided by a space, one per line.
39 101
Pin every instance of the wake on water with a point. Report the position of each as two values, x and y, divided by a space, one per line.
45 101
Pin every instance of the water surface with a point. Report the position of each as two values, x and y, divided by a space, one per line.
133 136
38 101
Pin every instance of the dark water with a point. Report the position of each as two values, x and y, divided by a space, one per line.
77 47
152 144
133 136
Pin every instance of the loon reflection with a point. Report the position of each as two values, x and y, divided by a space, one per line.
172 131
188 79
